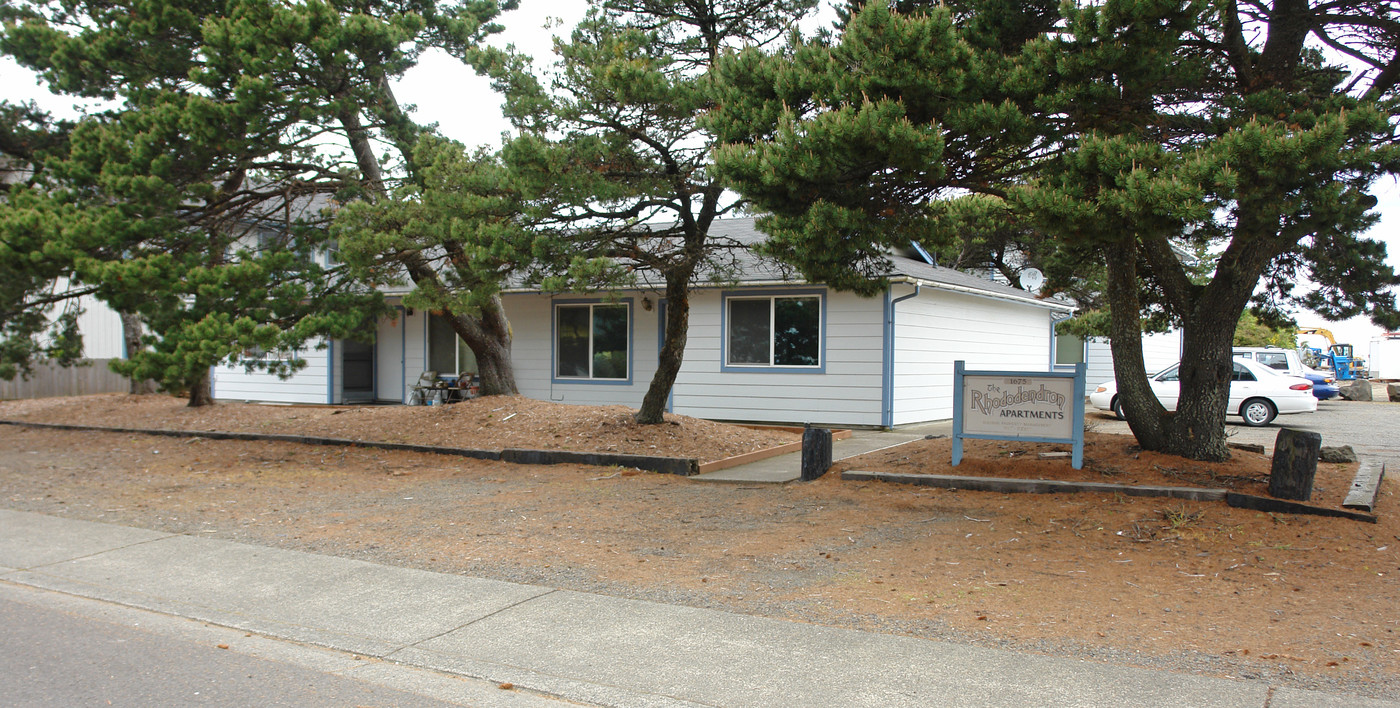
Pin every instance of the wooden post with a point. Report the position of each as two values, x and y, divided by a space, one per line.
1295 464
816 452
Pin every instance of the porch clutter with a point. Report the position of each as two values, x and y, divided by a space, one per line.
433 390
423 389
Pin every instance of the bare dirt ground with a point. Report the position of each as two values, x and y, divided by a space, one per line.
1302 600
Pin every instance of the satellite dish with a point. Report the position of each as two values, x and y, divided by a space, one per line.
1032 279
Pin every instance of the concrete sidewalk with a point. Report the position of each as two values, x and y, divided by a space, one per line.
788 468
575 646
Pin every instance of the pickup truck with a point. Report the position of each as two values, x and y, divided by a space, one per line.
1287 361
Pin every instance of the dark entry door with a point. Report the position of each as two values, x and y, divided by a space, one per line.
358 361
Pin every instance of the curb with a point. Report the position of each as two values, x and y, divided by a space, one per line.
1034 486
1283 506
1008 485
682 466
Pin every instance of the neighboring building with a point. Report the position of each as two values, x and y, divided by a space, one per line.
763 348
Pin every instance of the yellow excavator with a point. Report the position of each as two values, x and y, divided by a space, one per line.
1341 358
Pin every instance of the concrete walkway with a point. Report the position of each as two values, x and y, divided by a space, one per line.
563 645
788 468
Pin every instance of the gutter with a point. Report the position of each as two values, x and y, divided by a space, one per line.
905 279
982 293
661 287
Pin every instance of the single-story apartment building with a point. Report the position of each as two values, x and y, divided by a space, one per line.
762 347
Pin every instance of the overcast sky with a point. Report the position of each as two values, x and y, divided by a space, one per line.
465 109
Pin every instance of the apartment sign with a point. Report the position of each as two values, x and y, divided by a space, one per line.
1019 405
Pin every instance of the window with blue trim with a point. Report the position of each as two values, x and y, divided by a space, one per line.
778 330
590 341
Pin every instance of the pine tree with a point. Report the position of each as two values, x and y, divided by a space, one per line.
1127 132
234 121
613 159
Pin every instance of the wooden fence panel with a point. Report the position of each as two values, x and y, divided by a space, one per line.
51 380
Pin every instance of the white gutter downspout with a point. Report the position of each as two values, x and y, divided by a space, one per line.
887 394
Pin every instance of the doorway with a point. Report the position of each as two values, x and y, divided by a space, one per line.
357 361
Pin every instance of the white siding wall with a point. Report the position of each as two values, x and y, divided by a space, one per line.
100 325
933 330
532 351
309 385
937 328
102 329
1158 352
848 392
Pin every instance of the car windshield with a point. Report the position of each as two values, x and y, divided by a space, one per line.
1167 374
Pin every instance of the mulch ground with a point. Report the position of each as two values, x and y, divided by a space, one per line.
1190 586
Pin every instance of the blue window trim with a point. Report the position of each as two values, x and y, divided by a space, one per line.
554 341
726 367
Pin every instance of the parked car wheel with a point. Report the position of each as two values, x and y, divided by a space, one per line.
1257 412
1118 409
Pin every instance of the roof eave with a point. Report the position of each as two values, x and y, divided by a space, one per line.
1024 300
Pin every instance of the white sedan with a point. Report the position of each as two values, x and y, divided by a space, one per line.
1257 393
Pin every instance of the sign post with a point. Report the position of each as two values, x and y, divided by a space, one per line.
1034 406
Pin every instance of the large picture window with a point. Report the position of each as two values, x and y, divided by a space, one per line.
778 331
590 341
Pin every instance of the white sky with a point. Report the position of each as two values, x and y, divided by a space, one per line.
466 110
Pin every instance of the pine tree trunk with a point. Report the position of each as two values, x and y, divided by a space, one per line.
669 359
1197 430
489 338
1146 417
496 371
131 336
201 392
1211 314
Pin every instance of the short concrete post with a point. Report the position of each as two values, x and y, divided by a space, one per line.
1295 464
816 452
